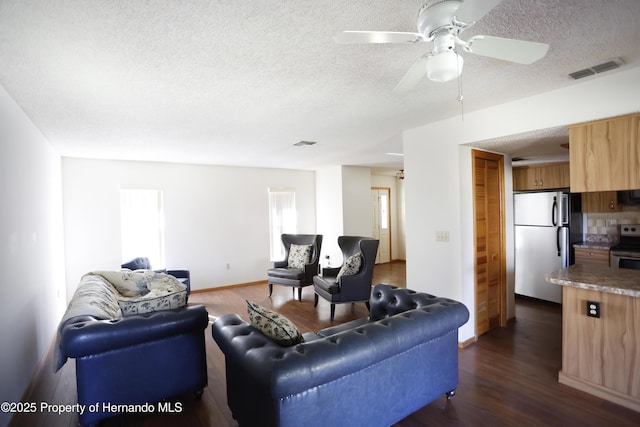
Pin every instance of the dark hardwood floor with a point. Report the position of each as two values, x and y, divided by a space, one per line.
507 378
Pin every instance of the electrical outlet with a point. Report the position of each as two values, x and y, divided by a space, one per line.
228 266
442 236
593 309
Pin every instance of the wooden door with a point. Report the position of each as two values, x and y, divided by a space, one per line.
490 268
381 222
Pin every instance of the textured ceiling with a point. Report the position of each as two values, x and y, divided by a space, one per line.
239 82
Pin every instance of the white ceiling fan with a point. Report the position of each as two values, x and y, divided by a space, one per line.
442 22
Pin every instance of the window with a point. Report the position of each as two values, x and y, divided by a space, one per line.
142 225
384 212
282 219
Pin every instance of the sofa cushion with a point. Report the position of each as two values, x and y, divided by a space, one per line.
274 325
143 305
351 266
164 292
137 283
299 255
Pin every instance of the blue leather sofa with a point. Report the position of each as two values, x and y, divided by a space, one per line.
372 371
138 359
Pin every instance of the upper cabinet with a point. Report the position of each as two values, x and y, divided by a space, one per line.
541 177
605 155
600 201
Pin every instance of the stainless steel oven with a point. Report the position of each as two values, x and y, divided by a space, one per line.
626 254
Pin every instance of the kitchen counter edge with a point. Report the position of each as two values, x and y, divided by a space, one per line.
598 278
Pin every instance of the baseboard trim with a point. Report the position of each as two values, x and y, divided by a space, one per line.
599 391
237 285
467 343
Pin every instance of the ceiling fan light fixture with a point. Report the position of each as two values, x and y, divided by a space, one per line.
444 66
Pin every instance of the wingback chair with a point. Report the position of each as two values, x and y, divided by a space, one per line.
291 271
352 281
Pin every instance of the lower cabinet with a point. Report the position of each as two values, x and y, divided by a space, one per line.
592 256
601 356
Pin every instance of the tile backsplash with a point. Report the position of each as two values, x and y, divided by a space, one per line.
605 227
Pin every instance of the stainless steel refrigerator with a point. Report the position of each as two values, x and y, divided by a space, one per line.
546 226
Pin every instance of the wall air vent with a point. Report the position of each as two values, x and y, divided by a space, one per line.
303 143
600 68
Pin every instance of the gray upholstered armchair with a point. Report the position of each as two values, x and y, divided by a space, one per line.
352 281
300 263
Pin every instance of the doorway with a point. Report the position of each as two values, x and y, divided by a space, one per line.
381 222
489 241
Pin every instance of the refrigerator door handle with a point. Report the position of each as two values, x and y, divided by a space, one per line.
554 210
558 236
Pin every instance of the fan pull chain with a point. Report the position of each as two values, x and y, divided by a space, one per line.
460 97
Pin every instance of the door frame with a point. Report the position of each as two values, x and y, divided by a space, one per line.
388 190
503 246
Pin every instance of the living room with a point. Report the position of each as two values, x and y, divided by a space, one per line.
60 212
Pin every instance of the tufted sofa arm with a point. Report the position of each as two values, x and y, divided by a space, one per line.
290 370
85 335
388 300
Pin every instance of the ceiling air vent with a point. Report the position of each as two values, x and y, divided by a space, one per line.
600 68
303 143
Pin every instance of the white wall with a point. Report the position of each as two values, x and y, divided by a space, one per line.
437 184
356 201
329 211
32 287
343 195
214 216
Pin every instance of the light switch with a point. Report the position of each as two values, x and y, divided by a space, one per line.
442 236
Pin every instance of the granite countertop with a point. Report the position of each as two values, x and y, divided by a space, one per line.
598 278
587 245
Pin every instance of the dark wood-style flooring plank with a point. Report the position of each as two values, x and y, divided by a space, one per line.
508 378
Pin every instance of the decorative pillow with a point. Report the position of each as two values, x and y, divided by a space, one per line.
275 326
149 305
128 283
299 256
350 266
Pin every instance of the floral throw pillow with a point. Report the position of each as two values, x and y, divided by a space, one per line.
350 266
144 305
275 326
299 255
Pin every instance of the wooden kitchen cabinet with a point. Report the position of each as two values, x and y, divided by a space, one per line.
592 256
600 201
541 177
605 155
600 355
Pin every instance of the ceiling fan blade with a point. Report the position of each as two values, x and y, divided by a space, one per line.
416 73
348 37
472 10
519 51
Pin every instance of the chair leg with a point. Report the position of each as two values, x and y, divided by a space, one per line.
368 306
270 288
333 311
300 294
315 300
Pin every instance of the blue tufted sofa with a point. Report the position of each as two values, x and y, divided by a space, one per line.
369 372
137 359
